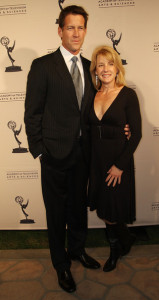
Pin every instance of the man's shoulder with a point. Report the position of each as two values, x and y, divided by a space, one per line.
85 60
86 63
47 57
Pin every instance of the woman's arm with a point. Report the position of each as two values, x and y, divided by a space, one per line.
134 120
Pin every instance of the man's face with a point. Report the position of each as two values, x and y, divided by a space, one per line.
73 33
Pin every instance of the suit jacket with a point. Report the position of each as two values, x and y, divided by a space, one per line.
52 116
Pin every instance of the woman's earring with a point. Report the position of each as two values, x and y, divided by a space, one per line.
96 79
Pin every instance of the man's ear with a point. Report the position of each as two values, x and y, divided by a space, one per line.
60 32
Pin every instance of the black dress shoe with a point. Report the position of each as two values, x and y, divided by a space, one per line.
66 281
86 260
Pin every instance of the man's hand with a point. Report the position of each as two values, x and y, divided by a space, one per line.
114 176
127 131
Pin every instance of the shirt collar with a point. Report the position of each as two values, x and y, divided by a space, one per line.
67 55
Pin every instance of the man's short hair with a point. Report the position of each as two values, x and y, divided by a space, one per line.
74 10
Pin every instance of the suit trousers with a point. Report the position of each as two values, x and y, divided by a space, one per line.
64 187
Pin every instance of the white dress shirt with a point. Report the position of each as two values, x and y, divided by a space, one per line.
67 57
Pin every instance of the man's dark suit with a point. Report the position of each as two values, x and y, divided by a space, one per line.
53 123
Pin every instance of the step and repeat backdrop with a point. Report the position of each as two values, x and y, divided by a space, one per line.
29 30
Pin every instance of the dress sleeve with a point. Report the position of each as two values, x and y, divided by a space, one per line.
134 120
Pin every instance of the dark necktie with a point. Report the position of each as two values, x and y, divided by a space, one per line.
77 80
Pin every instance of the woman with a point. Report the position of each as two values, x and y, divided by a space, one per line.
111 185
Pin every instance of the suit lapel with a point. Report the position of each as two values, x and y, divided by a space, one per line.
64 73
88 85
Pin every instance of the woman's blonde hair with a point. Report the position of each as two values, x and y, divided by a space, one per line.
112 56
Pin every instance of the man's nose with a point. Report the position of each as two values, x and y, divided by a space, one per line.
76 32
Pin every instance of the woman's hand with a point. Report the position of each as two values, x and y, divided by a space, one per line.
114 176
127 131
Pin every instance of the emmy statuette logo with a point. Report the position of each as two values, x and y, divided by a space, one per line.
5 42
12 126
20 201
60 2
110 33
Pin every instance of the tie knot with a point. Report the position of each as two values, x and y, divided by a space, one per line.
74 59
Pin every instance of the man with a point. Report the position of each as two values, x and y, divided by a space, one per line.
56 128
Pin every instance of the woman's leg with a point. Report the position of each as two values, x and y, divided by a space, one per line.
126 239
115 247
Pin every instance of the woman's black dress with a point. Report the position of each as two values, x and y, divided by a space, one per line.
109 146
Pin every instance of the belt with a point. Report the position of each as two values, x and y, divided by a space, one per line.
107 132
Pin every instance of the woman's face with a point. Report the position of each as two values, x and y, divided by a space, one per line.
106 70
